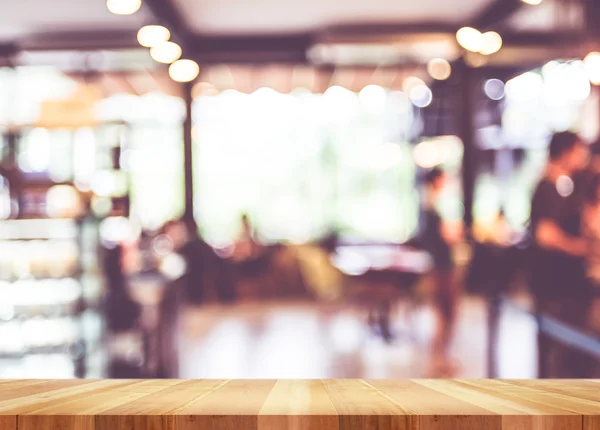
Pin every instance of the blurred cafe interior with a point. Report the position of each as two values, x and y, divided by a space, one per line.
299 189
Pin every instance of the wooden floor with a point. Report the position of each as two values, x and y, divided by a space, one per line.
299 405
310 341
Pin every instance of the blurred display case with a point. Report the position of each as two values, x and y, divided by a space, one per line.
56 186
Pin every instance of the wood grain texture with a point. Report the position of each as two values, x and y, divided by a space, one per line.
362 407
234 406
156 411
300 405
8 422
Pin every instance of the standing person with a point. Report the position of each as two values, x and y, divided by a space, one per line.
437 238
199 260
558 276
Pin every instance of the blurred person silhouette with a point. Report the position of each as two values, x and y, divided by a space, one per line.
245 245
595 157
203 268
557 272
591 230
121 311
437 239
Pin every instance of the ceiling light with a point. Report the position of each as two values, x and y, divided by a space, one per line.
153 35
592 67
123 7
439 69
492 42
532 2
184 70
166 52
470 38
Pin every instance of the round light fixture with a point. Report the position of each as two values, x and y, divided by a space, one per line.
470 38
184 70
439 69
153 35
166 52
492 42
123 7
592 67
532 2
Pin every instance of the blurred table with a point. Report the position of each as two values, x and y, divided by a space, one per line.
299 404
358 259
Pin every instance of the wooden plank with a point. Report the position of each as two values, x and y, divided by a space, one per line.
31 402
436 410
156 411
576 388
298 405
517 413
553 403
5 383
15 390
591 422
362 407
575 395
79 414
8 422
234 406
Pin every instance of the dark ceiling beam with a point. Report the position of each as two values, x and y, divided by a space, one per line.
383 29
496 13
166 13
80 41
543 39
251 49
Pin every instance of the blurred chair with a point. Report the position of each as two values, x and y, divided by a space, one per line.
376 290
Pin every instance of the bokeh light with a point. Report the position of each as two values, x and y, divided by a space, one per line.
166 52
566 82
532 2
427 154
565 186
470 38
373 98
62 201
592 67
184 70
527 86
494 89
411 82
153 35
421 96
123 7
439 69
341 103
104 183
492 42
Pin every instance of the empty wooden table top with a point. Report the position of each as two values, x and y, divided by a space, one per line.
299 405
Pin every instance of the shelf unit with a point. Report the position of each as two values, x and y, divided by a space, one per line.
50 279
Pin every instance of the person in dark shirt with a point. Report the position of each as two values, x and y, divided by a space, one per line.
437 241
558 271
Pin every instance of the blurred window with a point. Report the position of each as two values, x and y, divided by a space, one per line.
300 164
